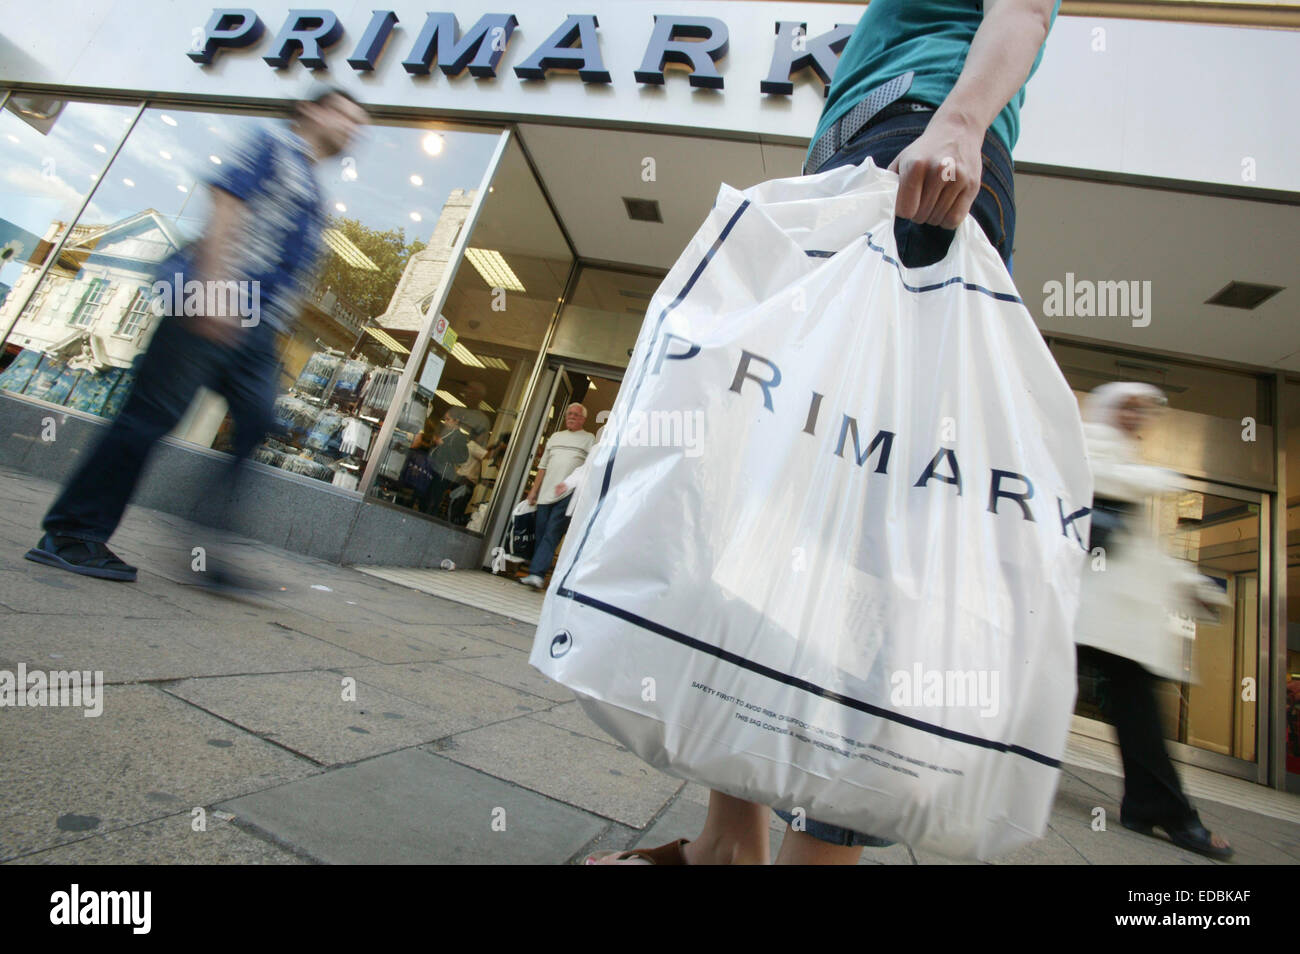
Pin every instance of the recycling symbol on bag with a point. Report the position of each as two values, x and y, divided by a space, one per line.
561 644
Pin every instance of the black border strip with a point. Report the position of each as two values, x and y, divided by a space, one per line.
564 590
810 687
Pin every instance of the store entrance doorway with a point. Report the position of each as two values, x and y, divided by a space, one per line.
563 382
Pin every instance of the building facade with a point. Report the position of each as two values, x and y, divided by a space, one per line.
495 238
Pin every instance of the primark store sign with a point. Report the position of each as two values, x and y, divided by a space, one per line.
695 44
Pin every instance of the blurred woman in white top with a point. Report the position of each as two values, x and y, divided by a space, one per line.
1123 629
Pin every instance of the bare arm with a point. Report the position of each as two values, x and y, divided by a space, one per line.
940 172
214 260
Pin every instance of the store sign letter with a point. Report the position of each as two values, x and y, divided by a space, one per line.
559 53
306 32
228 29
665 47
481 48
822 53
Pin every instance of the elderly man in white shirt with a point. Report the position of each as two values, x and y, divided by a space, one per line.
565 452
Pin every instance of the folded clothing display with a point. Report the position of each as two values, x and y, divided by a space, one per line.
316 375
294 417
348 384
327 432
308 467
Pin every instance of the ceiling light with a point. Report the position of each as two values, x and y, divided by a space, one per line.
99 148
94 177
164 153
494 269
591 385
216 159
449 398
129 183
485 406
490 362
416 181
432 143
12 138
350 173
167 119
342 246
181 188
387 340
340 207
415 216
465 356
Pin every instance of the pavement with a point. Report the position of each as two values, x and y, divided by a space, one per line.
344 718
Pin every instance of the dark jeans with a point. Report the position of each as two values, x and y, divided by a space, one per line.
171 371
919 245
551 526
994 208
1152 792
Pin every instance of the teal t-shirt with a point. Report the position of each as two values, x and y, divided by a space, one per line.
930 38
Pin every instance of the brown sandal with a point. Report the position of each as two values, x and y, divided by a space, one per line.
669 854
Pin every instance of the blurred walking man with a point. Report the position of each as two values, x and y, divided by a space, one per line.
224 297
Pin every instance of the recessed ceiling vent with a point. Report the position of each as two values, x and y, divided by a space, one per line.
642 210
1245 295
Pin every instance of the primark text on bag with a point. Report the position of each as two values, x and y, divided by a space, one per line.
855 596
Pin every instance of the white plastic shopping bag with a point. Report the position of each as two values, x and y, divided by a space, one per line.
829 550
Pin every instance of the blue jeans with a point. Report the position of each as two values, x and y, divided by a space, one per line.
918 245
170 372
551 525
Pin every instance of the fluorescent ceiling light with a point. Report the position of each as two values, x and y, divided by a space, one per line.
465 356
342 246
387 340
485 406
449 398
490 362
494 269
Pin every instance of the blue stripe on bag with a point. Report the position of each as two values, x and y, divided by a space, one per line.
774 674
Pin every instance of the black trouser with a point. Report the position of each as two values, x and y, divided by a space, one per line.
176 364
1152 792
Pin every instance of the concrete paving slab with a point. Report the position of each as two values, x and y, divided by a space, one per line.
413 807
569 716
146 756
137 650
514 634
169 841
458 701
1119 846
306 713
511 668
385 641
596 776
44 589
